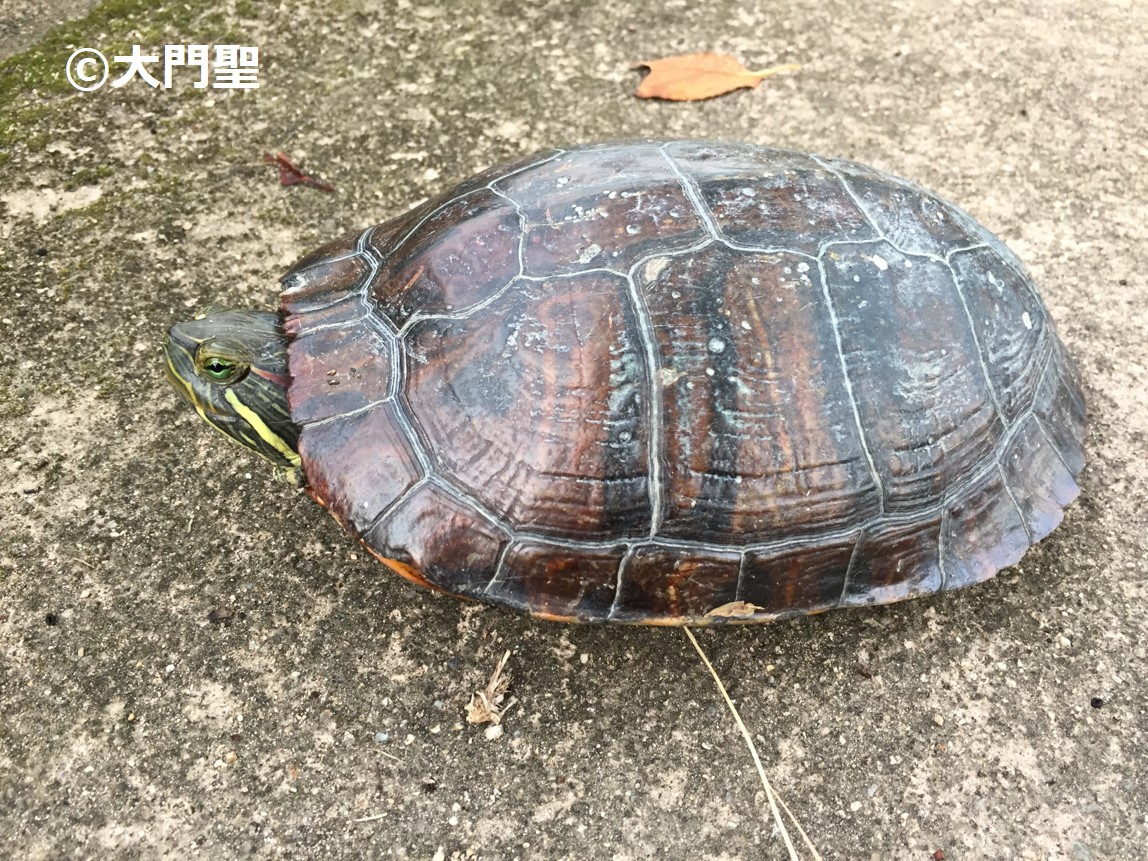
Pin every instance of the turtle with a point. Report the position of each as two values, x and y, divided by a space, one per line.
662 382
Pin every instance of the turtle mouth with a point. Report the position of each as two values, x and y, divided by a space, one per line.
175 353
168 369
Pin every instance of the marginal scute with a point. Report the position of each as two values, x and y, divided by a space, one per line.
983 533
894 561
804 579
1037 478
496 175
674 582
1059 405
385 464
321 269
440 536
338 370
551 582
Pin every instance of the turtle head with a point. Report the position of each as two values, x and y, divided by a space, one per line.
232 367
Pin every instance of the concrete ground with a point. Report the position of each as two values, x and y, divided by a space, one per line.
196 662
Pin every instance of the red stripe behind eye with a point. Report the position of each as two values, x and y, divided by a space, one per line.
281 380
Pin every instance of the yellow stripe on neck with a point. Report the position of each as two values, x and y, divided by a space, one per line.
260 427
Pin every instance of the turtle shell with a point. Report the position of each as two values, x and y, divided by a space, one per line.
670 382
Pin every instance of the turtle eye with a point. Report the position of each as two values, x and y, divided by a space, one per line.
219 370
220 361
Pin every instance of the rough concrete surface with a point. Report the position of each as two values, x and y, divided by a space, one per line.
324 718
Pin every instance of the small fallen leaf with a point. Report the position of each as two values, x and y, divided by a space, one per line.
486 706
289 174
734 610
691 77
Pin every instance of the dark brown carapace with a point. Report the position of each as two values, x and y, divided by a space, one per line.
682 382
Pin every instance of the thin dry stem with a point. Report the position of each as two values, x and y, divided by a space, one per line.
773 799
776 70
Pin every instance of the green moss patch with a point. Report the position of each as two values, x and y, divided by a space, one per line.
31 82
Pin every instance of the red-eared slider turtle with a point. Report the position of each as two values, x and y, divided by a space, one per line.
663 383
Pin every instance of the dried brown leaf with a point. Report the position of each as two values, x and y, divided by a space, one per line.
691 77
734 610
289 174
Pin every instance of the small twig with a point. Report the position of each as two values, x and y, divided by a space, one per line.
370 818
773 799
